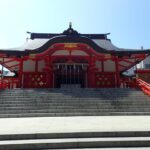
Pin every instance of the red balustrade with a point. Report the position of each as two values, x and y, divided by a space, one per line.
144 86
9 83
128 82
3 84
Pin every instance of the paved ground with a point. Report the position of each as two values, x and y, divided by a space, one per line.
74 140
74 124
136 148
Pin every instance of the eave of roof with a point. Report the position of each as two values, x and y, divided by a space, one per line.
99 45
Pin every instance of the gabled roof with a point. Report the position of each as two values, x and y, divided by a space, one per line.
40 42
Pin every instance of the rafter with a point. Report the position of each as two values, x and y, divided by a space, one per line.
14 65
130 62
8 61
122 65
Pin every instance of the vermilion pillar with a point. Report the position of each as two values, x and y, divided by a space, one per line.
50 71
117 72
20 73
91 72
102 66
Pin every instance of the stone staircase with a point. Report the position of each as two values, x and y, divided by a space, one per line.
73 102
82 140
67 102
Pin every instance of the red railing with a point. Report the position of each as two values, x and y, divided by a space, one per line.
8 83
3 84
127 82
144 86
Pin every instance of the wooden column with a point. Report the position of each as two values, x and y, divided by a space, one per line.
117 72
2 71
102 65
49 71
91 72
20 73
2 68
36 65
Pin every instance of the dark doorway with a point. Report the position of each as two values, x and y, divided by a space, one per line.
70 74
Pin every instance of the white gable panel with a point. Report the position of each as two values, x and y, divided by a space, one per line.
79 52
99 65
41 65
61 52
29 65
109 66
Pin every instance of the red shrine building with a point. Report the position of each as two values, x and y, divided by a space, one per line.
68 59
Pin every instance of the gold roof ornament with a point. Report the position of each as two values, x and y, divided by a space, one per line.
70 45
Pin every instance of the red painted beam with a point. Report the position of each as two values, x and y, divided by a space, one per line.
8 61
143 71
122 65
14 65
130 62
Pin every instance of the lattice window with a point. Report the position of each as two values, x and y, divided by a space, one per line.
105 80
35 80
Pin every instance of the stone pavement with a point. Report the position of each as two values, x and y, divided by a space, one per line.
136 148
124 132
73 124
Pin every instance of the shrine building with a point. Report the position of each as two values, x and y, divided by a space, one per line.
68 59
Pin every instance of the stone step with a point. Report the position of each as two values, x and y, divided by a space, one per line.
126 148
76 104
75 143
70 96
65 106
74 91
80 95
61 102
76 100
69 89
52 90
71 110
20 115
73 94
109 134
75 111
77 107
72 105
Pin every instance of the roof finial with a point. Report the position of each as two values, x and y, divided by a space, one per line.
70 25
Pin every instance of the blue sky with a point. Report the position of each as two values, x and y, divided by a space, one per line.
128 21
